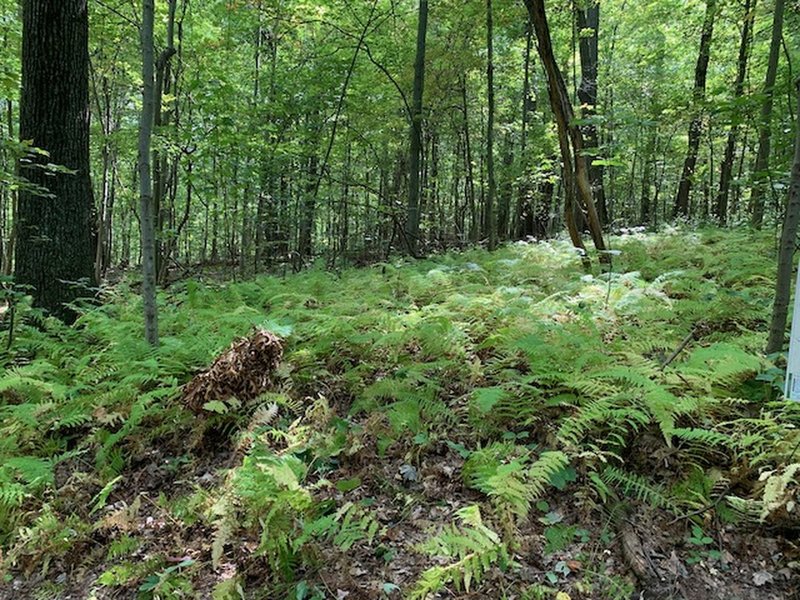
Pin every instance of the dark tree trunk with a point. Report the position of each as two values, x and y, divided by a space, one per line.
415 148
681 208
589 19
469 182
647 208
163 80
726 168
10 208
491 192
55 246
783 283
523 208
761 169
305 246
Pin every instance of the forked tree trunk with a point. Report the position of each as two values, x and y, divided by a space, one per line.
523 204
578 189
415 148
726 168
162 82
589 19
491 192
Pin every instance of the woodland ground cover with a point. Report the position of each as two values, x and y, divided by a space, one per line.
483 425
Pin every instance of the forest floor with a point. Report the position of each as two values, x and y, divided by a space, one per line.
476 425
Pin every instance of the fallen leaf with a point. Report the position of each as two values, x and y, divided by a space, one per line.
762 578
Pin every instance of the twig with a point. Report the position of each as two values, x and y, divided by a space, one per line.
681 346
702 509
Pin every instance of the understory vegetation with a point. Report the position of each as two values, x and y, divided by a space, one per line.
495 424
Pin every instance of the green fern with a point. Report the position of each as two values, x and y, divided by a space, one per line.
631 484
473 549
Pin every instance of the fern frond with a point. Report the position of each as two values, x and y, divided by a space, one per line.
475 548
631 484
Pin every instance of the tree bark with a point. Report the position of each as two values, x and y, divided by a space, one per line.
761 168
469 180
7 265
589 19
578 189
415 148
681 208
726 168
305 246
163 79
147 214
55 245
491 192
783 282
523 205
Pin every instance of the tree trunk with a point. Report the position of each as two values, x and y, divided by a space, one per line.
55 245
761 169
415 149
646 207
783 281
7 265
469 180
305 246
162 85
491 192
519 220
681 208
589 19
726 168
578 189
146 209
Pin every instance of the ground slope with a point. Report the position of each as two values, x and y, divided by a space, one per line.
474 426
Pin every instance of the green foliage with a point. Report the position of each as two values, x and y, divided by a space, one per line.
473 549
537 377
636 486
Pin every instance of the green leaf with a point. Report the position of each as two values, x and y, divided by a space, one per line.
348 485
100 499
301 590
486 398
216 406
561 478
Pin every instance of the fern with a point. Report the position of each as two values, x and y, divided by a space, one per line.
473 548
351 524
779 490
631 484
506 486
548 464
511 483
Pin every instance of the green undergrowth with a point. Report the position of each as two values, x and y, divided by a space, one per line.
536 377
